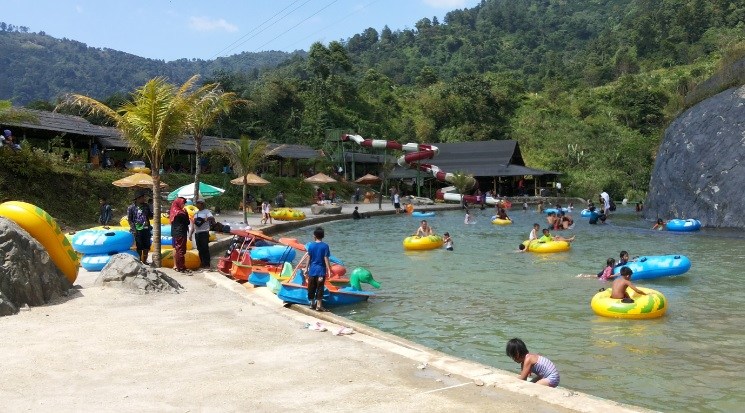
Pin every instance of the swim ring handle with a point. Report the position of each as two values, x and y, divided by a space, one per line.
642 259
677 257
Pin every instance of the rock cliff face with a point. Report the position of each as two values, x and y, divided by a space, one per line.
27 275
698 172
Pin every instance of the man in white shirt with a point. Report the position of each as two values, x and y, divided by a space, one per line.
200 228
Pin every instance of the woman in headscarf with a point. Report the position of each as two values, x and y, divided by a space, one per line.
179 230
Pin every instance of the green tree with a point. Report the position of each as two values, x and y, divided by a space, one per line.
462 182
243 155
153 120
210 101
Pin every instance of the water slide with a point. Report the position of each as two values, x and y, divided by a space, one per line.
449 193
44 229
418 152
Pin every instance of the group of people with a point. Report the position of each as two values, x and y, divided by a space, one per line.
140 213
620 283
543 238
183 228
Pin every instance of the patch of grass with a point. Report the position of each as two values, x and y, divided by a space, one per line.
70 191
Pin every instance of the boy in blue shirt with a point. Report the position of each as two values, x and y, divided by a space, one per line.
319 268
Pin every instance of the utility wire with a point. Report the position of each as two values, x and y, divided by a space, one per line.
298 24
335 23
230 46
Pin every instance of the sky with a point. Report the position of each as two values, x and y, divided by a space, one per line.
206 29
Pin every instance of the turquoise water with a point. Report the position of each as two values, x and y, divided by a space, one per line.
469 302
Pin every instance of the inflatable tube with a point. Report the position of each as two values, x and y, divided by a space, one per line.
273 254
332 259
585 213
554 210
656 266
287 214
124 222
106 228
500 221
190 210
141 169
191 258
96 262
551 246
44 229
419 214
409 208
651 305
423 243
94 241
166 243
683 225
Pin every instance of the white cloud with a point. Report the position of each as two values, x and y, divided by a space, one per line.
206 24
446 4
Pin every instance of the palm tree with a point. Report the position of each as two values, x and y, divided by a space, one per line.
243 156
462 181
209 103
154 119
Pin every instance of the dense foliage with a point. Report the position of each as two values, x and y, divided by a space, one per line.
586 87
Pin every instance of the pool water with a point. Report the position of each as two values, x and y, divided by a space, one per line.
470 301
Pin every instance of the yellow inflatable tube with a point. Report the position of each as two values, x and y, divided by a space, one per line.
423 243
124 222
651 305
44 229
191 259
287 214
499 221
551 246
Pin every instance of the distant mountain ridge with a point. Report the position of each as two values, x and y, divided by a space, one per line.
35 66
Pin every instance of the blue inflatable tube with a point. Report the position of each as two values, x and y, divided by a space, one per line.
585 213
99 241
417 214
683 225
96 262
274 254
656 266
554 210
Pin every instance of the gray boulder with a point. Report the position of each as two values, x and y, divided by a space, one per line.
325 209
28 276
125 271
698 173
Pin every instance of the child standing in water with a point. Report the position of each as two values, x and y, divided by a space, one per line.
448 241
660 225
545 371
607 272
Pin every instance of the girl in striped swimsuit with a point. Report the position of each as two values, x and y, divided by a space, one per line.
545 371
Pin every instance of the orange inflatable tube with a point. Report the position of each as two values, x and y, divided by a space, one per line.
44 229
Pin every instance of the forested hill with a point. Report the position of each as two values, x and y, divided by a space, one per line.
559 43
586 87
34 66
